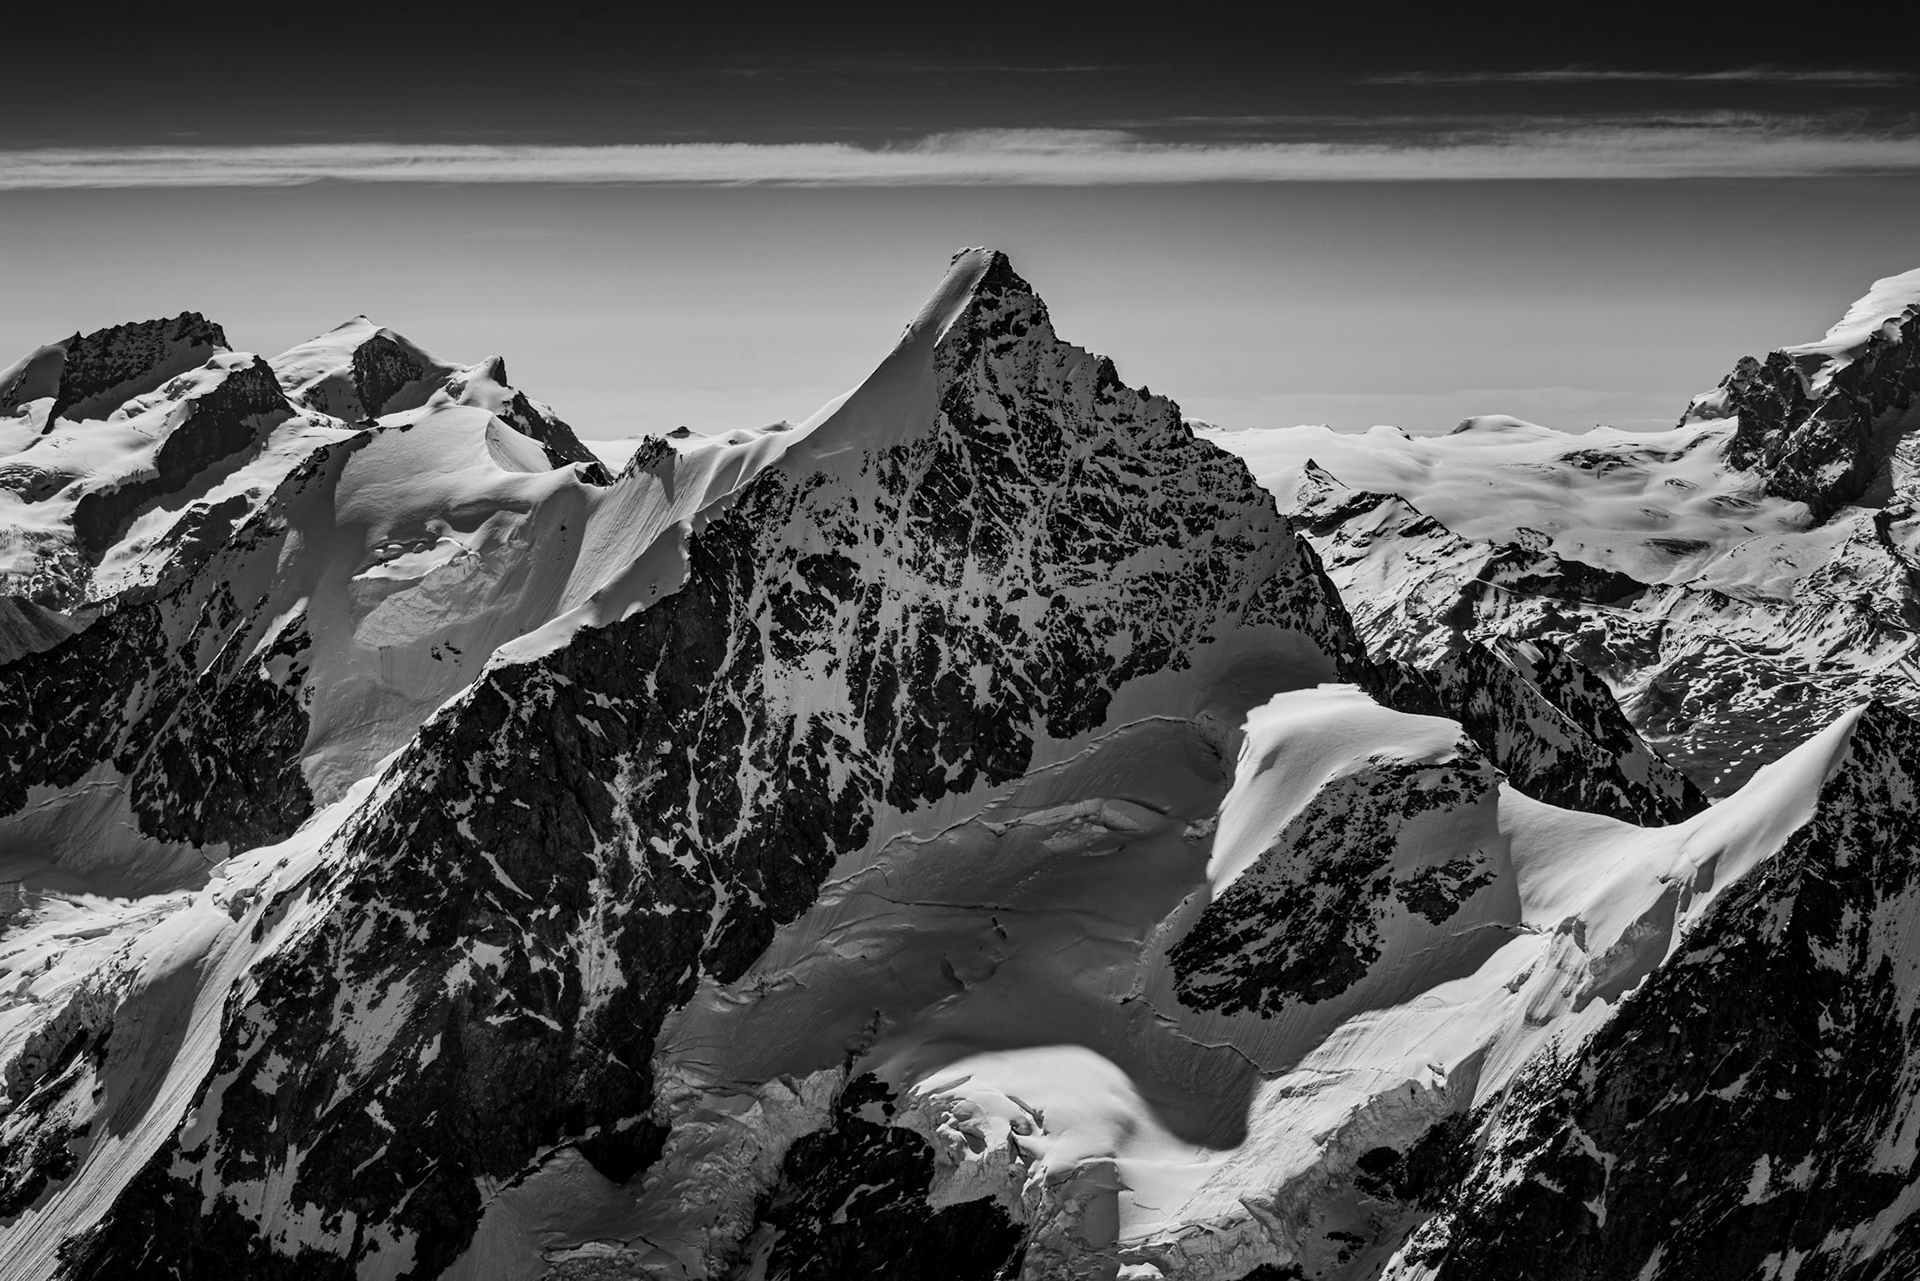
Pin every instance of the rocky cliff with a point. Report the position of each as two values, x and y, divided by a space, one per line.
973 833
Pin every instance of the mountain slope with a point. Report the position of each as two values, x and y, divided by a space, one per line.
1738 581
262 602
611 811
1750 1111
965 835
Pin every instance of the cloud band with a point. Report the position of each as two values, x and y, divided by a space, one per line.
1036 157
1827 77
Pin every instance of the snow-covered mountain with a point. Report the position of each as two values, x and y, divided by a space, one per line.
1738 582
969 833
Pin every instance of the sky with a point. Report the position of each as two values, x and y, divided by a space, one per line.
722 217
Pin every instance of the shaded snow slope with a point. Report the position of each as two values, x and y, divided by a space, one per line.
981 561
1159 1024
263 600
963 835
1751 1109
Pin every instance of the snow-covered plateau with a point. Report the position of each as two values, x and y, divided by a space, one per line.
992 828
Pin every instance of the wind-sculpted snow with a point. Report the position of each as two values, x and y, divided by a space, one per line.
359 373
1550 725
96 509
1017 980
99 371
1751 1109
1737 582
1818 421
963 835
222 422
569 846
267 602
1303 923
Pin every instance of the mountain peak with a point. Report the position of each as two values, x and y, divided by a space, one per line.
846 841
1888 302
904 395
358 370
1819 419
90 375
971 274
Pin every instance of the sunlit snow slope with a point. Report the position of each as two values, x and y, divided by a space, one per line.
964 835
1738 581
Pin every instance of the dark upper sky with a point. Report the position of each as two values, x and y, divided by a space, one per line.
1680 186
596 71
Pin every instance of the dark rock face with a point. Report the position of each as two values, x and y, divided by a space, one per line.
230 418
562 446
651 452
1522 570
1550 725
1716 710
1427 1172
1769 399
381 367
1302 924
1749 1104
852 1204
475 973
59 709
55 1074
107 367
171 692
563 851
41 1156
27 628
226 768
1821 444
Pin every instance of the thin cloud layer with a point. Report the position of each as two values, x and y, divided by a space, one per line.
854 68
1029 157
1832 77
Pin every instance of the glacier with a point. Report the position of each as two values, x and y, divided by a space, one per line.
994 827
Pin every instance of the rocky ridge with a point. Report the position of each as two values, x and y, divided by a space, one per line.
1056 579
1736 582
88 375
965 835
1749 1110
1818 421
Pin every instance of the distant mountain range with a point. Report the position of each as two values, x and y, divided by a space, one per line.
991 829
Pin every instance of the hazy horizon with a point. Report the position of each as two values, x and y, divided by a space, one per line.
639 308
721 217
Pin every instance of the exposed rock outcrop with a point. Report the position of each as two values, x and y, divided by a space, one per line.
1749 1110
227 419
102 370
941 589
1817 423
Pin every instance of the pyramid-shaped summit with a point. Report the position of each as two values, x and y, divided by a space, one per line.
990 559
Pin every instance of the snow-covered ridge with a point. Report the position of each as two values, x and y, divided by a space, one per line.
970 833
1778 1028
1874 312
926 646
283 594
1738 581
